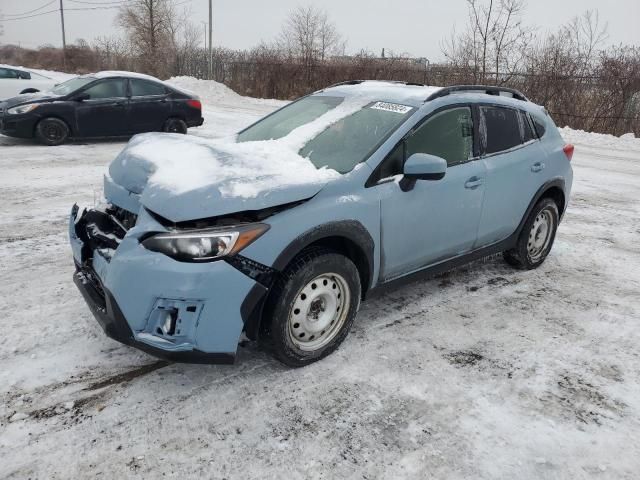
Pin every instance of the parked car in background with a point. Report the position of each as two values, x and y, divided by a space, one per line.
283 231
103 104
15 81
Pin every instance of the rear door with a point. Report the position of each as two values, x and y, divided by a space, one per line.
150 106
105 112
514 160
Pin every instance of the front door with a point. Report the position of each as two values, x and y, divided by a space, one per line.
436 220
105 112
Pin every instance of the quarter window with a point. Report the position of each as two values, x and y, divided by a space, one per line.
114 88
143 88
502 129
448 134
539 126
526 126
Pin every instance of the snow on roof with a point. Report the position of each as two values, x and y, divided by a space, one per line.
398 92
122 73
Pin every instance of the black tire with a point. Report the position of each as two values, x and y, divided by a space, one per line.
52 131
531 249
29 90
175 125
299 276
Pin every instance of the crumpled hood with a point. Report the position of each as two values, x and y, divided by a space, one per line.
182 177
39 97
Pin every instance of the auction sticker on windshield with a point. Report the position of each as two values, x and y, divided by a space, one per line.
391 107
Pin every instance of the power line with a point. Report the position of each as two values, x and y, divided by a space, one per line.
111 2
30 11
31 16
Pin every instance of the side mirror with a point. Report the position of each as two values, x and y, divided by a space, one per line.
82 97
422 166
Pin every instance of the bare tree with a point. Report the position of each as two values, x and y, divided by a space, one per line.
494 39
309 36
147 24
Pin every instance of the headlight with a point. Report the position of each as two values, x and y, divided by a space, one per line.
205 245
23 108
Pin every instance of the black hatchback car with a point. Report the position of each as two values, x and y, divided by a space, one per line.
103 104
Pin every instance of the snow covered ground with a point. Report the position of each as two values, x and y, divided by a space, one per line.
484 372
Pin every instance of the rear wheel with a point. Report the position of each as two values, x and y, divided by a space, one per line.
312 307
537 236
175 125
52 131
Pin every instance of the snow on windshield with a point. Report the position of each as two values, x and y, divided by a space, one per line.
248 169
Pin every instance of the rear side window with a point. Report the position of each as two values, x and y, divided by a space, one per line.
143 88
527 130
7 73
502 129
539 126
448 135
113 88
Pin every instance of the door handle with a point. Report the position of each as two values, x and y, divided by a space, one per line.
537 167
473 182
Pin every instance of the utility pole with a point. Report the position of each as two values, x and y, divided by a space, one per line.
64 39
210 35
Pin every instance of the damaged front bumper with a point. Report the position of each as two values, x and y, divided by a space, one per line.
178 311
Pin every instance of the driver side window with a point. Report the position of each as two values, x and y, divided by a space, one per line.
447 134
113 88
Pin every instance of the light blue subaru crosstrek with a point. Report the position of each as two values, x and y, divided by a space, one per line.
410 180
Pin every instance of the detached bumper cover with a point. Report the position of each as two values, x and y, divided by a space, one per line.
108 314
177 311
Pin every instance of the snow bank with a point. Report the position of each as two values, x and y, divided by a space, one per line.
214 92
625 142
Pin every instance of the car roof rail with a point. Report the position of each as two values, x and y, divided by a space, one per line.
358 82
488 89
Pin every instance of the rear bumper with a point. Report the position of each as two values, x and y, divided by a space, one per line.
195 122
184 312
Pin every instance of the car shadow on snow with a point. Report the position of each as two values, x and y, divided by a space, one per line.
31 142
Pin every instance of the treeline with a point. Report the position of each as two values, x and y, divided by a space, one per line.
582 83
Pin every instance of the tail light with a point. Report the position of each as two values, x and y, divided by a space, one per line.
568 151
194 104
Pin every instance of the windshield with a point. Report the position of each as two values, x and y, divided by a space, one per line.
345 142
72 85
352 139
294 115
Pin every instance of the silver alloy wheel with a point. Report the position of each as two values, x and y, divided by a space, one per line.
319 311
540 235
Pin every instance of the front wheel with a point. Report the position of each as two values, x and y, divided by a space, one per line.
52 131
175 125
537 236
312 306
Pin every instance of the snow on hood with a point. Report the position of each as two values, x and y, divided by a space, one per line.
185 178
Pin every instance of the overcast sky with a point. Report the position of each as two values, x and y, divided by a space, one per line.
416 27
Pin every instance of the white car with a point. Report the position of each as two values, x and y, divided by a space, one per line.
14 81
